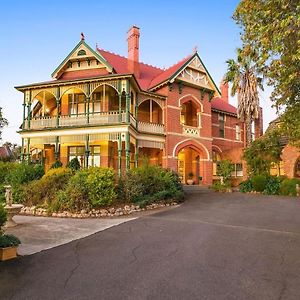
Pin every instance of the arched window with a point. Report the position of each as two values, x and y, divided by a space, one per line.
81 52
189 114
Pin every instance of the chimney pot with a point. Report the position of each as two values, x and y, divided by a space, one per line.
224 87
133 37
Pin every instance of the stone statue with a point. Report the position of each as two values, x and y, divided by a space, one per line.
8 195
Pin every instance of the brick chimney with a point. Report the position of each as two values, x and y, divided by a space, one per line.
224 90
133 37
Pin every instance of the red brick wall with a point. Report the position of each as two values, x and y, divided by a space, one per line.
289 157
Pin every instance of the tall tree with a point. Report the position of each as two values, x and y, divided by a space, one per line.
244 76
3 122
272 27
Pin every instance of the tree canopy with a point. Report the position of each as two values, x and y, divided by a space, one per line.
272 28
3 122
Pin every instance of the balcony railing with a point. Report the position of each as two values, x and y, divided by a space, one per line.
151 127
189 130
101 118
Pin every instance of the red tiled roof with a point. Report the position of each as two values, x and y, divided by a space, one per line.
168 72
150 76
82 74
219 104
119 63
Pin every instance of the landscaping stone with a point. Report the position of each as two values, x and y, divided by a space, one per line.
93 213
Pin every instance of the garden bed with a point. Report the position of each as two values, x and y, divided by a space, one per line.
94 213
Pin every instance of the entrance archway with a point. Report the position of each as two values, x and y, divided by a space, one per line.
189 164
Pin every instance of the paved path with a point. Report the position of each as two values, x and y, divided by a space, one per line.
41 233
214 246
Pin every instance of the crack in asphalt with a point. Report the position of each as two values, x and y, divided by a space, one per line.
230 226
76 266
135 258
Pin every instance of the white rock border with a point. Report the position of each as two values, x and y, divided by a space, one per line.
93 213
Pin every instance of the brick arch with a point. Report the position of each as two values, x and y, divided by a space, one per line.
197 146
217 149
190 97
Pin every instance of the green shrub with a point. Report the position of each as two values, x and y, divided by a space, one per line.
3 217
24 173
246 186
273 186
224 170
44 191
148 184
9 240
100 183
74 164
288 187
75 195
217 186
259 183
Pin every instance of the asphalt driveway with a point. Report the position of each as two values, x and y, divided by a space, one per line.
214 246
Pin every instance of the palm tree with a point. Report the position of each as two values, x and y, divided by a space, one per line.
244 76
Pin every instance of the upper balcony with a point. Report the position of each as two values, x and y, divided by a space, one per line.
104 107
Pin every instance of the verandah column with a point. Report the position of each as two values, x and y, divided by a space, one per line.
22 151
56 153
136 155
120 107
127 151
87 104
128 101
87 150
24 111
28 150
29 111
119 155
57 106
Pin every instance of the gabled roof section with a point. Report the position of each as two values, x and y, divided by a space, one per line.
190 69
221 105
81 51
168 73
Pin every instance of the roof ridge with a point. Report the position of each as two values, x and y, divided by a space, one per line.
140 62
179 61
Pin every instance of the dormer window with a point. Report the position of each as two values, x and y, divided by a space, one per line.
81 52
70 64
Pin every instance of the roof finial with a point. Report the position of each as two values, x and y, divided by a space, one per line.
96 46
195 50
82 36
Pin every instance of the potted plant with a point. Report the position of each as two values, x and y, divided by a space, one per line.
8 242
190 180
200 180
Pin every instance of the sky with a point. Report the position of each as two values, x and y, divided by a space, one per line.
35 37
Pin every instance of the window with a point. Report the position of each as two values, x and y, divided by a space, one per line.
95 105
94 157
238 132
77 151
221 118
76 104
81 52
237 170
216 163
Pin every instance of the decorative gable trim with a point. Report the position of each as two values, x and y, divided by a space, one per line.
198 73
81 54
